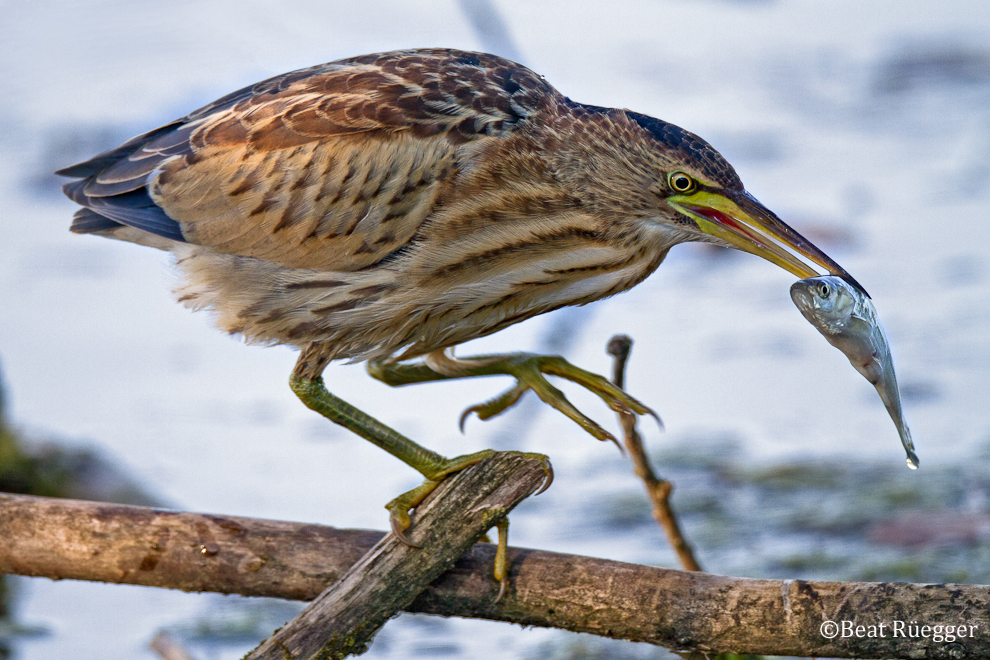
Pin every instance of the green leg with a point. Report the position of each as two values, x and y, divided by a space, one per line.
529 371
431 465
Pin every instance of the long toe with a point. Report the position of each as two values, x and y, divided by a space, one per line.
617 399
495 406
556 399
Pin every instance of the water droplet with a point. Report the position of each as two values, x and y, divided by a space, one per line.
912 464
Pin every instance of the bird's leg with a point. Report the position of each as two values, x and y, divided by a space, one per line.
307 383
529 371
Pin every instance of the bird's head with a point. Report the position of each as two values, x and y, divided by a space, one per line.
700 192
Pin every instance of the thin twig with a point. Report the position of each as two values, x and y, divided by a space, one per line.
71 539
167 647
657 489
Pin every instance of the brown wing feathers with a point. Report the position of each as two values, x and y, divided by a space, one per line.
331 167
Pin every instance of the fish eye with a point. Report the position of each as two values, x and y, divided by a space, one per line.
824 289
680 182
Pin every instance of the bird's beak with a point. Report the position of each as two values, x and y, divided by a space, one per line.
740 220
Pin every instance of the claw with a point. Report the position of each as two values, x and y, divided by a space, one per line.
656 417
621 408
645 410
611 437
503 584
634 407
399 508
467 413
400 532
547 475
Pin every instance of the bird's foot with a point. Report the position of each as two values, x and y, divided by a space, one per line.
530 371
401 519
431 465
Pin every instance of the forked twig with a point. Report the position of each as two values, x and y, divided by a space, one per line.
343 619
657 489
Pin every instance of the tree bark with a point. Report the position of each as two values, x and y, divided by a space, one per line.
64 539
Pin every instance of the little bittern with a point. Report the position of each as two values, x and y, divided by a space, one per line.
391 206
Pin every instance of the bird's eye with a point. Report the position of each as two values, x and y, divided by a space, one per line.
823 290
680 182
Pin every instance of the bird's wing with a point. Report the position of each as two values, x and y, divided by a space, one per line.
333 167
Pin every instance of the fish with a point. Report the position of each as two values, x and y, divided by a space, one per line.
845 315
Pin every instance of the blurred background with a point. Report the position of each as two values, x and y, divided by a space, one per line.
865 125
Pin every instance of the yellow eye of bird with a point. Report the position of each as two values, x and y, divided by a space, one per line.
680 182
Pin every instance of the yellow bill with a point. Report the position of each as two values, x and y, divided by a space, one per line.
738 219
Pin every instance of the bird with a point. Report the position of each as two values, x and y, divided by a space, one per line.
389 207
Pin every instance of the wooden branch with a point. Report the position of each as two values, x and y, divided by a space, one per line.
63 539
343 619
658 490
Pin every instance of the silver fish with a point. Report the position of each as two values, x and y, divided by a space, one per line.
846 317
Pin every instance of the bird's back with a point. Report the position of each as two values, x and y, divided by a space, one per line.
332 167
